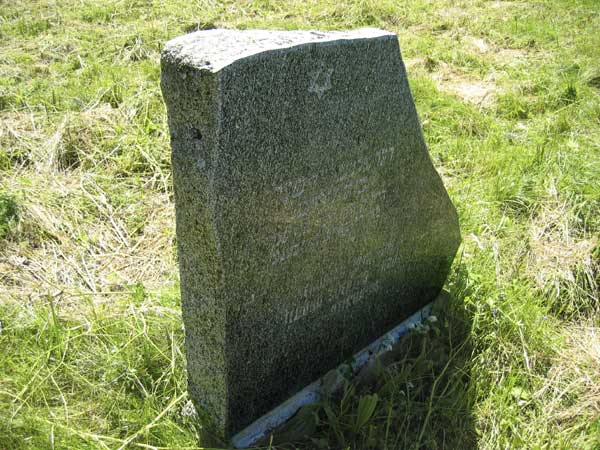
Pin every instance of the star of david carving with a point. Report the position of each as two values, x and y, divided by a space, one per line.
321 81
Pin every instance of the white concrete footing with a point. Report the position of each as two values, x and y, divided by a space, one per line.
261 428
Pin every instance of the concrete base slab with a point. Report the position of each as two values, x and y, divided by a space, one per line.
312 393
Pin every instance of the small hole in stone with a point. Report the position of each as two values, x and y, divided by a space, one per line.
196 135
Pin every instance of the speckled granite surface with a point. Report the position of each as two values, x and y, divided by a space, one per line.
310 219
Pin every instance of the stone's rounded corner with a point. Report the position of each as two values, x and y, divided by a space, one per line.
172 62
169 55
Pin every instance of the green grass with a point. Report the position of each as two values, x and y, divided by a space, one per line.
90 330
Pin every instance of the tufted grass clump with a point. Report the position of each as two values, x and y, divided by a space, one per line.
9 216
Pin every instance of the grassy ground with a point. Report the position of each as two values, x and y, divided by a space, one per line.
90 329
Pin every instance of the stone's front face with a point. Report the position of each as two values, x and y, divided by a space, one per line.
310 219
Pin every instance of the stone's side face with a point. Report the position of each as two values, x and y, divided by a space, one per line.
310 219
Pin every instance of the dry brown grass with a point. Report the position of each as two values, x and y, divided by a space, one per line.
562 258
79 231
573 380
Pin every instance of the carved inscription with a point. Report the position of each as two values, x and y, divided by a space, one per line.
319 216
349 293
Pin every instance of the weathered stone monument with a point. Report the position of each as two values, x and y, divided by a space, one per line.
310 219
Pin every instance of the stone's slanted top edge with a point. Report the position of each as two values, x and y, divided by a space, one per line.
214 49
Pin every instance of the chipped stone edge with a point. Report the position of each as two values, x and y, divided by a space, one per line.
261 427
173 48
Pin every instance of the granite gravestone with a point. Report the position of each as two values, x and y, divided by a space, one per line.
310 219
